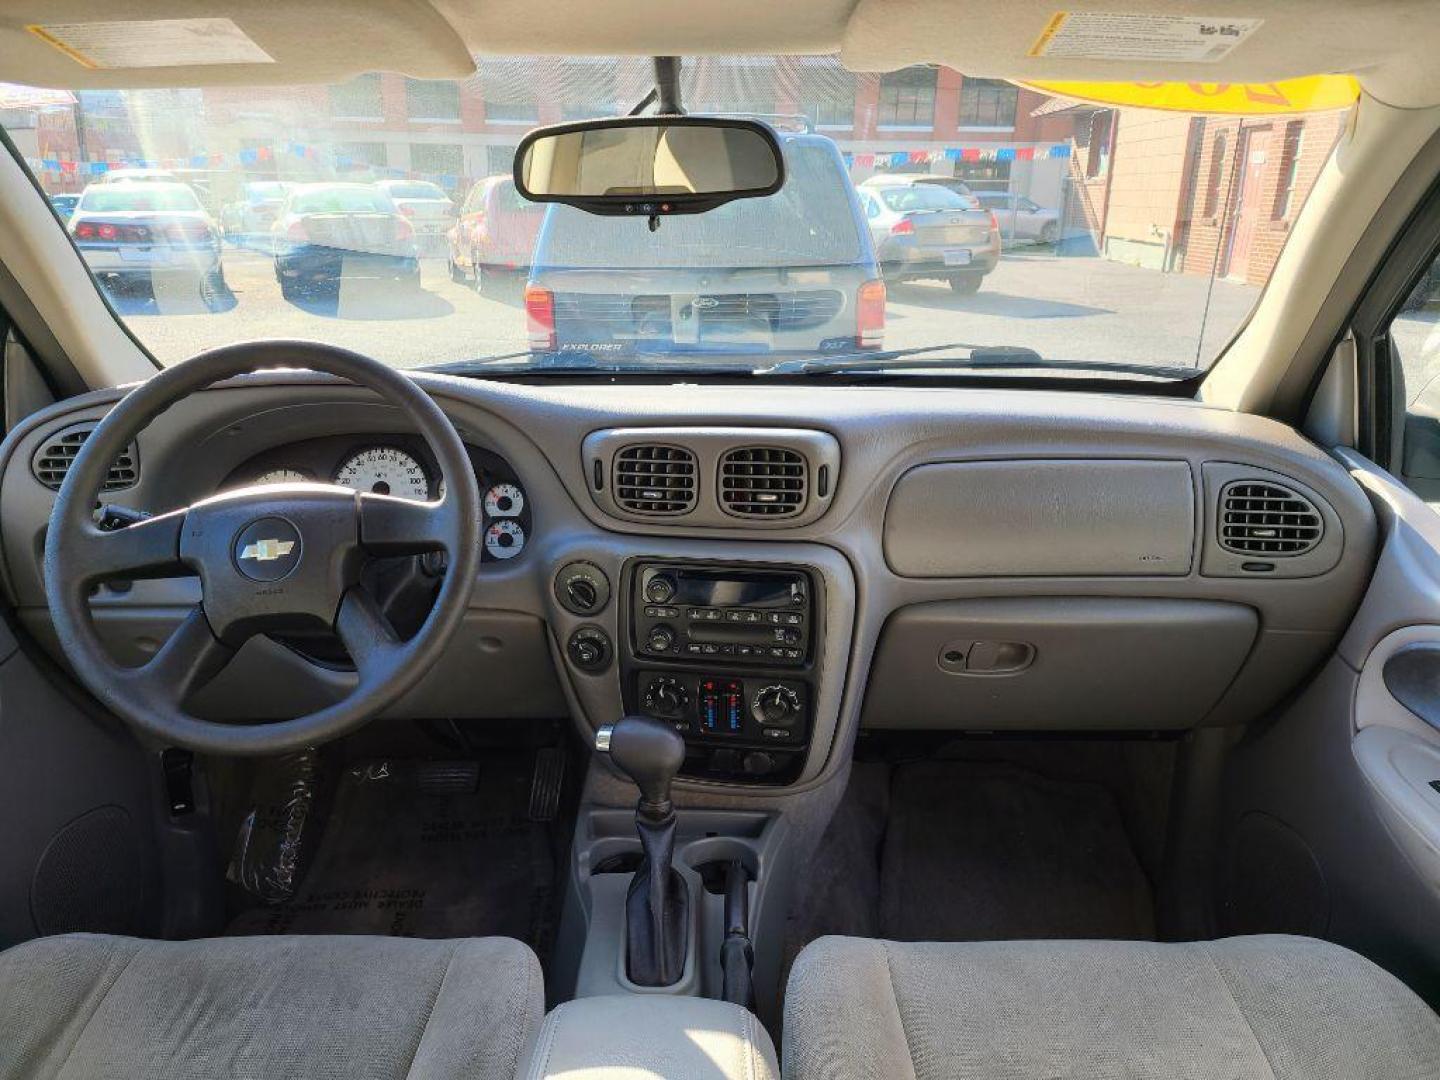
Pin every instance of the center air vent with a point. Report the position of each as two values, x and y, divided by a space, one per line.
763 481
1267 519
52 461
655 479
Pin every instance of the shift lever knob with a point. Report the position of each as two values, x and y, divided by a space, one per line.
650 752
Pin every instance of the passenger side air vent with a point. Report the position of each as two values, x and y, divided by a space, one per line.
1259 518
655 479
52 461
763 481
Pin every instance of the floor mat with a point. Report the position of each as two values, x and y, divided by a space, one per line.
983 851
413 850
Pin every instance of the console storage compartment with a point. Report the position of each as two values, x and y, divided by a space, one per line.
1056 663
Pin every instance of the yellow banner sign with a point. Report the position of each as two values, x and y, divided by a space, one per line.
1315 93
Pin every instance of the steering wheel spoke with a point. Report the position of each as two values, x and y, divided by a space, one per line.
395 526
367 634
149 548
189 659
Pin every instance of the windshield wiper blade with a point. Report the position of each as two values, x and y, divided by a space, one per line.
980 357
581 362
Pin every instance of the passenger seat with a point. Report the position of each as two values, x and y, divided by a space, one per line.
1267 1007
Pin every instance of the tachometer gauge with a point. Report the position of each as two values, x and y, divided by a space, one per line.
504 501
505 539
384 470
282 476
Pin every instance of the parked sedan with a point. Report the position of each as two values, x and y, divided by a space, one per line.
1021 218
329 232
429 209
924 230
247 220
130 231
496 231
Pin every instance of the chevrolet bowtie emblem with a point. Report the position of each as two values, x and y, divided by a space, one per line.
267 550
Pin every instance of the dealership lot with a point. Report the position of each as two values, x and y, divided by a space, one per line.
1066 308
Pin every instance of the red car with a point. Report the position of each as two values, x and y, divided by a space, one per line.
495 231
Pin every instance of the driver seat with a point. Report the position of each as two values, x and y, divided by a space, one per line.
95 1007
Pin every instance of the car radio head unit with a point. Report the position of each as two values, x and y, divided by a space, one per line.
722 615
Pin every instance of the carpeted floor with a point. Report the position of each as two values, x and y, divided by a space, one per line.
397 856
959 850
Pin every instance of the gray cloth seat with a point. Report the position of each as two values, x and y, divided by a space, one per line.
1265 1007
93 1007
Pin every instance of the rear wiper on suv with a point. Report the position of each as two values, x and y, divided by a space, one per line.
978 357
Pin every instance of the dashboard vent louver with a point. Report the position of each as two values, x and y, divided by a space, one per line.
655 479
1261 518
52 461
763 481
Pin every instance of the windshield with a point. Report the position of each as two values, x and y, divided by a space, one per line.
133 197
1115 236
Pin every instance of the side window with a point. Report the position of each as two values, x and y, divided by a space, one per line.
871 207
1415 364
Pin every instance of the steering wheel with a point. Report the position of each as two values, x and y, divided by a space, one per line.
269 558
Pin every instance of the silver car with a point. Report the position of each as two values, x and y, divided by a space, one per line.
1021 218
790 273
428 209
136 230
924 230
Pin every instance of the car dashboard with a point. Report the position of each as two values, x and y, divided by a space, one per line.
772 571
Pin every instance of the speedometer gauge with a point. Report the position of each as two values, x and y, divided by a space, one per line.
504 501
505 539
282 476
384 470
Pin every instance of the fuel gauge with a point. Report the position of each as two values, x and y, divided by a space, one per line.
505 539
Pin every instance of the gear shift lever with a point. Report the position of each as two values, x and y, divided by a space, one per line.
651 752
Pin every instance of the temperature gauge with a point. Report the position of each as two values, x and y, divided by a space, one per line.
505 539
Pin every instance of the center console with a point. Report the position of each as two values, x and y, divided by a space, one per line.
727 654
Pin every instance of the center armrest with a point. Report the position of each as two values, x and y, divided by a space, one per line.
649 1035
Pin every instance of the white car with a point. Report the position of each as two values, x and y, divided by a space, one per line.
128 231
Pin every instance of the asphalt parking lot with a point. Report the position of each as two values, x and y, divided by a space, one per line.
1066 308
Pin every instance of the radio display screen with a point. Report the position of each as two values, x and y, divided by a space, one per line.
730 588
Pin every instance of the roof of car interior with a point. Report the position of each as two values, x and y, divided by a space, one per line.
1389 44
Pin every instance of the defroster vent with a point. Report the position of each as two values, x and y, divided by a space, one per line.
763 481
1267 519
655 479
52 461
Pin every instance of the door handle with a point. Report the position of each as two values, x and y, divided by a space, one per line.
1412 675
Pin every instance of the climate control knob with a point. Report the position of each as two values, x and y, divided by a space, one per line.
666 698
660 639
776 706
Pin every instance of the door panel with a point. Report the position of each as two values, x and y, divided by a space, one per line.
1342 776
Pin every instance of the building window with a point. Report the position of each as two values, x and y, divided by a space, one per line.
1097 161
350 156
499 160
1289 168
907 98
358 99
984 175
988 103
437 159
526 112
1218 149
834 107
432 99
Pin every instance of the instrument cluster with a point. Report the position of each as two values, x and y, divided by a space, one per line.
399 465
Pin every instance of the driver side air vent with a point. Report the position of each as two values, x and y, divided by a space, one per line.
763 481
52 461
655 479
1259 518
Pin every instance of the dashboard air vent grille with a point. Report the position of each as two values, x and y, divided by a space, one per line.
763 481
52 461
1267 519
655 479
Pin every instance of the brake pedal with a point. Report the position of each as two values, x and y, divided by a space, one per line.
545 784
448 777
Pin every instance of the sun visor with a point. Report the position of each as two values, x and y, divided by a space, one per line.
84 44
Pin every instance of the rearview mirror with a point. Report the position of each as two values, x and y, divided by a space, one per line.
649 165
